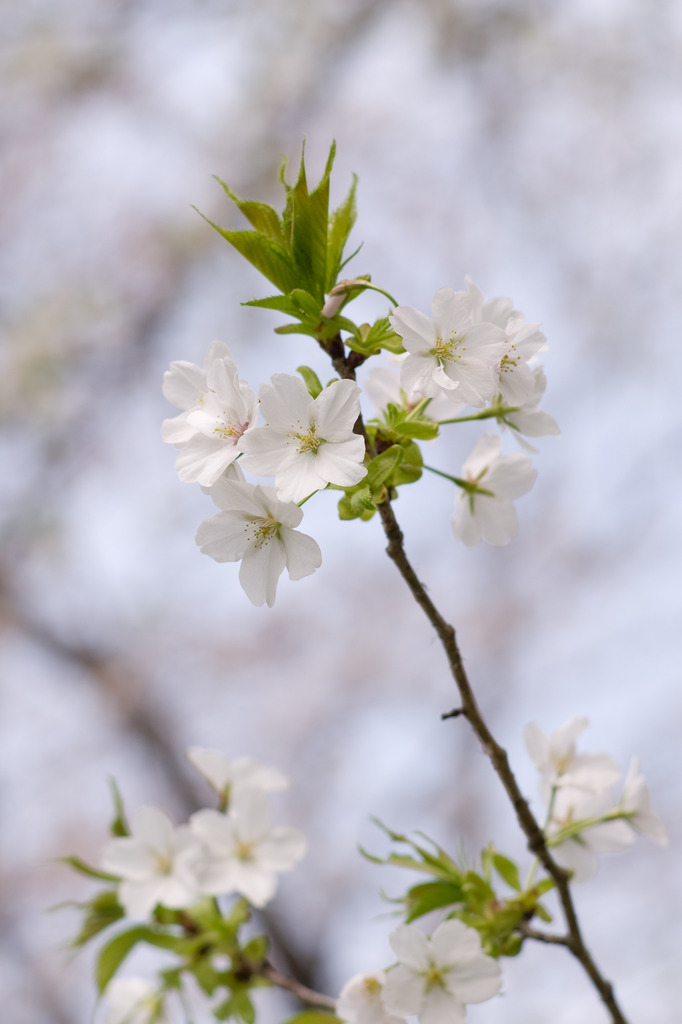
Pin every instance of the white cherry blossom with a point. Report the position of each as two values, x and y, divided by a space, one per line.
523 341
133 1001
382 384
636 802
257 528
361 1001
486 512
447 352
156 864
559 764
218 409
307 443
227 776
580 853
244 853
436 977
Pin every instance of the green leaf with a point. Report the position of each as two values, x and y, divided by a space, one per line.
420 430
260 215
84 869
102 911
119 826
383 465
309 225
340 225
543 913
270 258
280 303
112 955
410 469
237 1005
507 870
256 949
313 1017
312 381
421 899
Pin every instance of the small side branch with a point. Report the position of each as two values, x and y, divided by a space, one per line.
546 937
302 992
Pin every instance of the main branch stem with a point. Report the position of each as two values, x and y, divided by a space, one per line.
345 366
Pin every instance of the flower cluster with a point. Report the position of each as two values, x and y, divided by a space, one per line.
235 850
584 816
434 978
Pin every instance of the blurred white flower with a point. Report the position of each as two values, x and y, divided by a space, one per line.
448 353
486 512
226 776
244 853
257 528
636 802
156 863
133 1001
307 442
382 384
580 853
436 977
218 409
361 1001
556 758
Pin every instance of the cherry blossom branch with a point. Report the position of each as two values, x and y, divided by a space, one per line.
345 366
498 758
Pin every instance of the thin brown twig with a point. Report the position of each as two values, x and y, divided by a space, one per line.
302 992
546 937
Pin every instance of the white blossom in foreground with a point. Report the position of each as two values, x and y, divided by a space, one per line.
257 528
436 977
486 512
227 776
156 863
580 853
448 353
361 1001
218 409
307 443
244 853
133 1001
560 765
636 803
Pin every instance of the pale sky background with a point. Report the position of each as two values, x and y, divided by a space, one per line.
536 147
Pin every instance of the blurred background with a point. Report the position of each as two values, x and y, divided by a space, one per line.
535 146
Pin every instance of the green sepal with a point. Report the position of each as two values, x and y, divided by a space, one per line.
507 870
119 826
112 955
85 869
422 899
207 978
